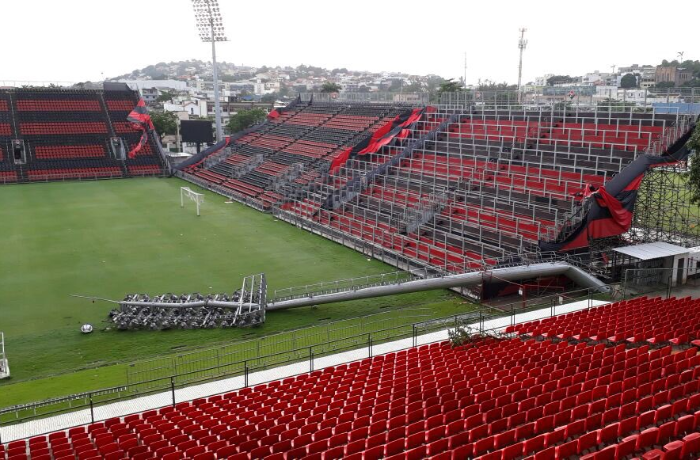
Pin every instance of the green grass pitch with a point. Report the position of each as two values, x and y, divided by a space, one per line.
108 238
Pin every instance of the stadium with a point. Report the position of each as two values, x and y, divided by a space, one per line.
352 277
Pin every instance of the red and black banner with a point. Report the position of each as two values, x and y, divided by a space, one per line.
381 137
141 120
612 209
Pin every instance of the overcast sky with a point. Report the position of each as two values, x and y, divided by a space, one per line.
78 40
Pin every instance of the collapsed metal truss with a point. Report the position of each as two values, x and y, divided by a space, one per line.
243 308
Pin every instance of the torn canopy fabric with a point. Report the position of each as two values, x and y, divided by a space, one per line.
141 120
380 138
612 207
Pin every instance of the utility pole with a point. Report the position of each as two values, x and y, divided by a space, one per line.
522 44
613 68
465 70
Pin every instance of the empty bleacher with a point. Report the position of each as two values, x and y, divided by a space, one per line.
652 321
7 171
533 395
489 184
302 140
460 190
67 134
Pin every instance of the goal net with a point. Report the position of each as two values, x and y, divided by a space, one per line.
188 195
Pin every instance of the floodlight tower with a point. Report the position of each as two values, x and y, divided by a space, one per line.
522 44
211 29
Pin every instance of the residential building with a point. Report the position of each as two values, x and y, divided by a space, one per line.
138 85
673 74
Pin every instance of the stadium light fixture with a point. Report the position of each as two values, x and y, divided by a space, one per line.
211 29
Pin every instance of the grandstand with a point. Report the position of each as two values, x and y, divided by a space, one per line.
557 388
293 149
456 189
51 134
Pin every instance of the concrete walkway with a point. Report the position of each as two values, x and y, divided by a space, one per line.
119 409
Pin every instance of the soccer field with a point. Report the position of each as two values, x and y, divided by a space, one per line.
109 238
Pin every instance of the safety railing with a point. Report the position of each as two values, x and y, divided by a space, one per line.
83 177
349 284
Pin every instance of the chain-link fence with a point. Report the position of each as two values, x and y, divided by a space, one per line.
214 361
674 282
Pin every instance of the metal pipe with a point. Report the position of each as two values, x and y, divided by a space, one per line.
466 279
199 303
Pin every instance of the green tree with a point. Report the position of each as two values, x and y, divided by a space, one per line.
694 174
489 85
559 79
330 87
694 83
665 84
165 123
413 87
284 91
628 81
396 85
245 119
165 97
450 86
233 78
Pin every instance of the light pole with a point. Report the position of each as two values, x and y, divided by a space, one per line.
211 29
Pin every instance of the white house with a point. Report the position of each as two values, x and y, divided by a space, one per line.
139 85
191 108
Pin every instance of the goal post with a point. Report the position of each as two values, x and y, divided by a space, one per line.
4 364
187 193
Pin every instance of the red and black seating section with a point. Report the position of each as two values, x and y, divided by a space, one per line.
496 183
67 135
305 138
